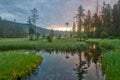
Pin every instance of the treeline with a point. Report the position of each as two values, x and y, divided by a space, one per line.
99 24
11 30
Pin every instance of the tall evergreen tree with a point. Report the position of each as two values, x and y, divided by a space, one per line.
30 29
88 22
74 29
80 17
34 19
107 17
115 14
118 31
96 26
52 33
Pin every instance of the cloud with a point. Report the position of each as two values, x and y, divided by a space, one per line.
50 11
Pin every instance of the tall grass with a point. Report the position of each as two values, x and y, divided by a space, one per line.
111 65
112 42
14 44
14 64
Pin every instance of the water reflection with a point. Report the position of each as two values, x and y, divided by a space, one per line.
59 65
81 68
89 67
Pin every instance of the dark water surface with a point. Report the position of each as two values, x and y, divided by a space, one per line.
69 66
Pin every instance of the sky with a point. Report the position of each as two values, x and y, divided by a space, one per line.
52 13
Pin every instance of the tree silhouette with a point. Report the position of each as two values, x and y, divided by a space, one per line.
80 16
34 19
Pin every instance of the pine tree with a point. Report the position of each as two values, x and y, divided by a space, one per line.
88 22
30 29
80 17
34 19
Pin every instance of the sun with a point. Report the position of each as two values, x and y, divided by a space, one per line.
60 28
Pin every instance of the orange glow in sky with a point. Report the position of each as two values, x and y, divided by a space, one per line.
60 28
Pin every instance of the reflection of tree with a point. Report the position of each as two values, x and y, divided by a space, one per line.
91 56
88 58
81 68
96 56
96 53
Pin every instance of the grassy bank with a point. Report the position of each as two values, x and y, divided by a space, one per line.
111 64
15 44
14 64
111 61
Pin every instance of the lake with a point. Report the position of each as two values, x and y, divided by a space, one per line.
57 65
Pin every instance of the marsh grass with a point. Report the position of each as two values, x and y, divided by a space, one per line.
110 48
15 64
22 44
111 65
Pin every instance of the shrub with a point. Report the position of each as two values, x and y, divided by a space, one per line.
106 46
59 37
80 46
118 37
85 37
111 37
103 35
49 38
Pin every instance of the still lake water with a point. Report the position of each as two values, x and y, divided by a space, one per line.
68 66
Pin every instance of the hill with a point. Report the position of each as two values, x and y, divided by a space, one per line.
9 29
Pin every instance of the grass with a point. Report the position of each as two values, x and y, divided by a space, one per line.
111 48
15 64
15 44
112 42
111 65
111 61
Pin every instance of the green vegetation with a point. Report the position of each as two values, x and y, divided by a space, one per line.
111 65
15 64
111 61
110 48
106 24
103 35
13 44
